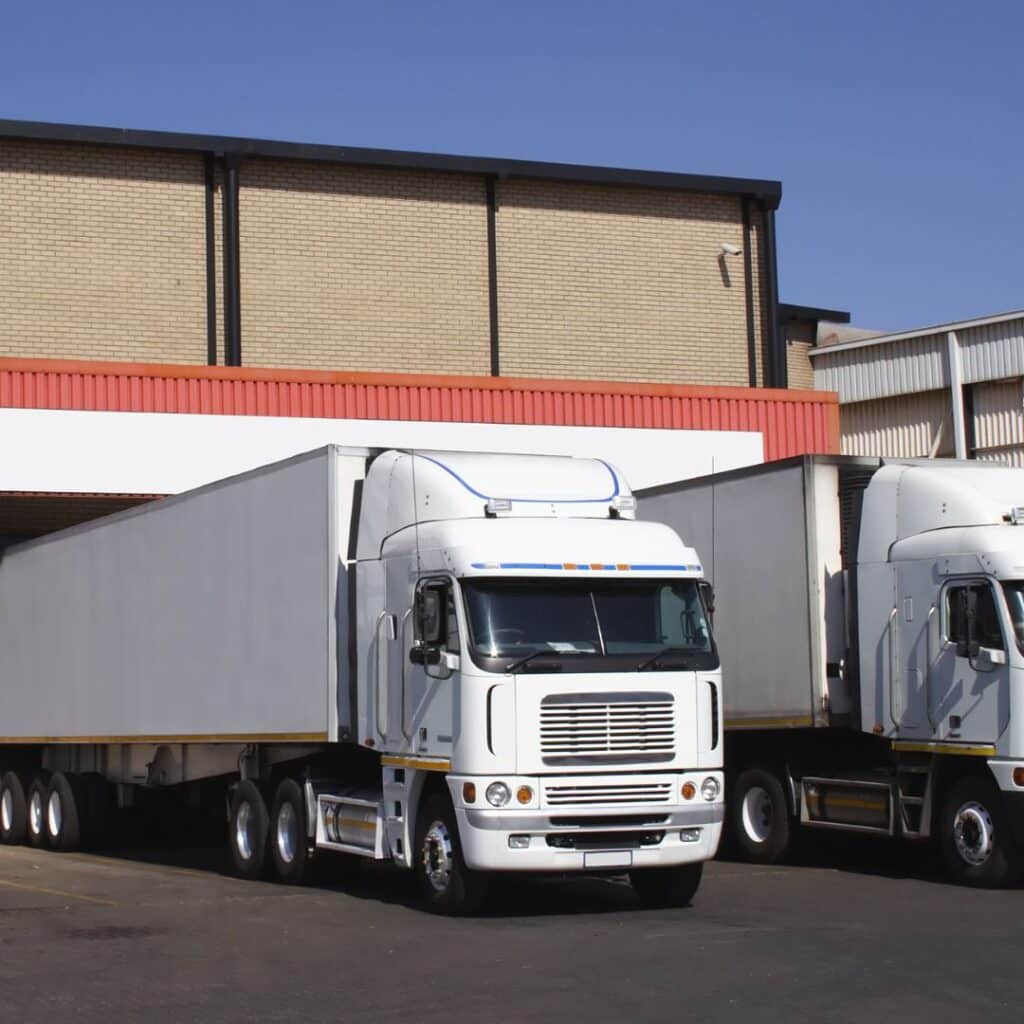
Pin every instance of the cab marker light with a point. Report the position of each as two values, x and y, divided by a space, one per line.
524 794
1017 515
689 790
496 505
469 792
624 503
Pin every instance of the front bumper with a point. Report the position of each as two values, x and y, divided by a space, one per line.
592 838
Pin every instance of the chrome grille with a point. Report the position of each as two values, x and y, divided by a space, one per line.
607 728
609 793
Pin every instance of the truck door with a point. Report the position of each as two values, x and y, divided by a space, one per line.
969 689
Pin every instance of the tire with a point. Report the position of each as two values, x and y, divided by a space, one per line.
13 810
64 813
759 822
667 887
35 803
289 840
974 835
248 831
446 884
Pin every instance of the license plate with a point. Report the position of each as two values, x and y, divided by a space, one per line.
610 859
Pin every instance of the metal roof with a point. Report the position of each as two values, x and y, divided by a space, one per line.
767 190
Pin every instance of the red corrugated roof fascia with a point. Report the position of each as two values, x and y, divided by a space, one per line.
792 422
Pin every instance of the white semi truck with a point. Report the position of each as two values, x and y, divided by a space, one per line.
870 620
460 663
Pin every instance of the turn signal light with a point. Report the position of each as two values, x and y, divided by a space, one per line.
1018 776
469 792
689 790
524 794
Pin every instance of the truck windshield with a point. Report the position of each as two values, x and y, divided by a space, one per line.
1014 592
599 625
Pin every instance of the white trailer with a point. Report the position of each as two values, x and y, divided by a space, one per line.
870 618
461 663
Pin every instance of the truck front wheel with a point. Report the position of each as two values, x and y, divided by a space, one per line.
249 826
667 887
759 817
976 842
446 884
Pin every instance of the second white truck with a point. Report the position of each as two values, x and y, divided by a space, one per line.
870 618
459 663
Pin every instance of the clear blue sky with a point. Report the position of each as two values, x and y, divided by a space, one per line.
894 127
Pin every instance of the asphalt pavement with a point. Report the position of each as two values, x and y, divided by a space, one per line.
162 934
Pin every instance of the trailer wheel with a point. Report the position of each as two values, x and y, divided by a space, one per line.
759 817
64 807
35 801
975 836
13 810
249 828
289 841
446 884
667 887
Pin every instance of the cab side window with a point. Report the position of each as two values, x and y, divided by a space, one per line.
987 630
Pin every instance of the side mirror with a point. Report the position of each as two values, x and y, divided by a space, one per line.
431 615
424 655
707 592
968 614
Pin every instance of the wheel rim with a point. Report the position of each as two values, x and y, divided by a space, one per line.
437 856
54 814
973 833
757 814
35 813
7 810
243 829
287 833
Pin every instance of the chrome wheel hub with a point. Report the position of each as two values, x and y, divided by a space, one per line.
972 833
437 856
54 814
7 810
756 814
287 833
35 813
243 828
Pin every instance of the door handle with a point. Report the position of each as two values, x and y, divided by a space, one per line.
406 711
928 665
387 620
894 702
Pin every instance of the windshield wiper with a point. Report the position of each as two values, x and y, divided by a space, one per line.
652 661
512 666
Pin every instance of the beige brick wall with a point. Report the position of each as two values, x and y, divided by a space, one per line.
799 341
619 283
346 268
102 254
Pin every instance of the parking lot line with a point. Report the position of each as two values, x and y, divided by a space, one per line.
57 892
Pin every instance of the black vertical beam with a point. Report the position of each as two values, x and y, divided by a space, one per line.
748 291
492 274
232 304
776 345
970 428
211 262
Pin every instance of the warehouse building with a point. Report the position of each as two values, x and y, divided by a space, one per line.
954 389
156 247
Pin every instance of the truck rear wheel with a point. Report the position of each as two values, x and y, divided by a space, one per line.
35 801
667 887
446 884
759 817
64 807
975 836
289 842
248 831
13 810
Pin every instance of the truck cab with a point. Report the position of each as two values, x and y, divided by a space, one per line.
538 671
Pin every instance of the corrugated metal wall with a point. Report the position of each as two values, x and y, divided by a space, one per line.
905 426
999 421
897 368
792 422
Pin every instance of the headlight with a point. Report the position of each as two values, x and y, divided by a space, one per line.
709 788
498 794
